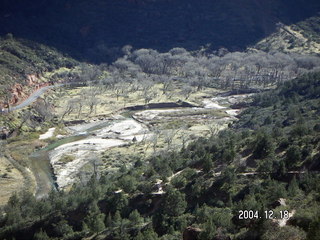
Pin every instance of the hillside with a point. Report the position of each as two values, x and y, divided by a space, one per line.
23 64
97 30
302 37
268 161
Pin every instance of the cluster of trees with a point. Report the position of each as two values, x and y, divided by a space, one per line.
222 69
140 69
281 156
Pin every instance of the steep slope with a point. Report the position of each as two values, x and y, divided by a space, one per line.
22 63
303 37
97 30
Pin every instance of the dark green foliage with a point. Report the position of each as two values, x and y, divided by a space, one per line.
41 235
94 218
209 230
263 146
63 229
128 183
148 234
174 203
285 233
41 209
293 187
207 162
293 156
135 218
314 230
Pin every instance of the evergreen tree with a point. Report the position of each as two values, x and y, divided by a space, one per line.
95 219
149 234
117 219
85 228
13 215
63 229
293 187
139 236
314 230
109 220
293 156
207 162
41 208
208 231
28 203
41 235
263 146
174 203
135 218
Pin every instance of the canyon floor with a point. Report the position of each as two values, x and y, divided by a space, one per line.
114 135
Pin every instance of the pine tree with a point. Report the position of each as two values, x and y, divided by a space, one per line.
109 220
117 219
149 234
85 228
174 203
41 208
293 156
293 187
139 236
135 218
264 146
95 219
314 230
41 235
209 230
63 229
207 163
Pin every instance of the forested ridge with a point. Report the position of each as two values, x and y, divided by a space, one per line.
271 153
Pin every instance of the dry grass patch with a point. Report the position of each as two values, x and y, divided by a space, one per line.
10 180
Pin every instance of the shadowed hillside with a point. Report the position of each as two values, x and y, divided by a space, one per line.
96 30
302 37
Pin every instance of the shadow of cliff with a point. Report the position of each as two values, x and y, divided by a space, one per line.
96 30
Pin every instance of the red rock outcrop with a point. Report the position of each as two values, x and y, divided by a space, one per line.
32 79
17 93
21 92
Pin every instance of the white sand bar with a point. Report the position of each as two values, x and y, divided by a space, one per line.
209 103
128 127
66 173
48 134
79 147
233 112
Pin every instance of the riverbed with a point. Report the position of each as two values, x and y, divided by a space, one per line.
73 157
